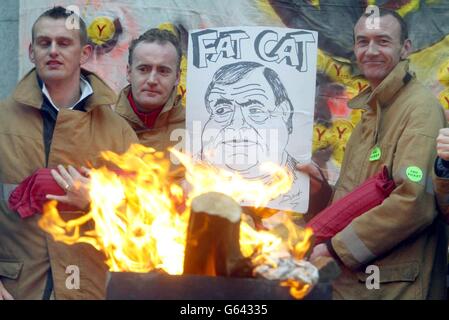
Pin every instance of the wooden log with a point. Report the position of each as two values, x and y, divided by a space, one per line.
212 246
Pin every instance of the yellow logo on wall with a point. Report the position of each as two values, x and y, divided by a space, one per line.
342 131
101 30
323 137
335 137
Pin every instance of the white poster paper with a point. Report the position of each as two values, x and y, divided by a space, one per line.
251 95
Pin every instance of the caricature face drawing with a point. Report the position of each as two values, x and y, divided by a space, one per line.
249 121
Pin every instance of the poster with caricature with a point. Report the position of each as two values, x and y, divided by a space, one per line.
251 95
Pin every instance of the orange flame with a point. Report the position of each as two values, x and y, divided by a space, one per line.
260 245
297 289
207 178
299 250
138 220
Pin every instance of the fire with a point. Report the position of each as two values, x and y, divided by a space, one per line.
299 248
204 178
265 247
141 212
297 289
137 224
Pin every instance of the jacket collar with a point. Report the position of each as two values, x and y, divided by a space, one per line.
86 91
29 93
386 90
124 109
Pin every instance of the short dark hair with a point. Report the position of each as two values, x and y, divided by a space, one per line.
160 36
232 73
385 12
62 13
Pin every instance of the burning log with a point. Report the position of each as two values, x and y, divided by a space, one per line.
212 246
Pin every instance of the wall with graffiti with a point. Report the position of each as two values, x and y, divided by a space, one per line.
113 24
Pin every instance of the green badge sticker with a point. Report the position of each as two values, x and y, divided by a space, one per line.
414 174
375 154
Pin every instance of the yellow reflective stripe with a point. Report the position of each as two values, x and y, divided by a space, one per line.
355 245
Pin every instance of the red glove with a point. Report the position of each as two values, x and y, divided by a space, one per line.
337 216
30 195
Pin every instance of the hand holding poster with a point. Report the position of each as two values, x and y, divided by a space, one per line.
250 100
